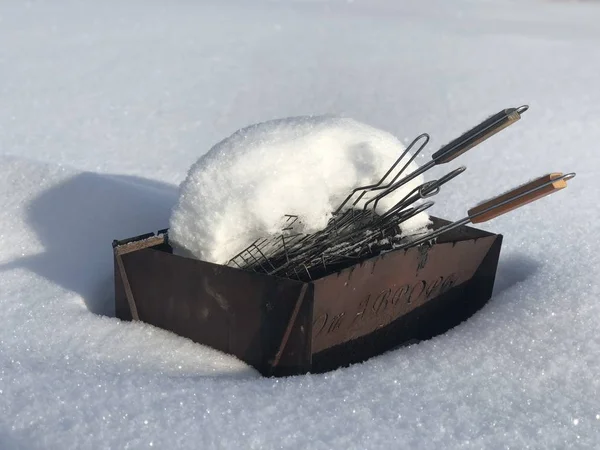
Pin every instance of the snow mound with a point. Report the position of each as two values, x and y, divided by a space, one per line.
241 189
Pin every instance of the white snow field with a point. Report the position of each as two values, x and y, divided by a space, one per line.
104 106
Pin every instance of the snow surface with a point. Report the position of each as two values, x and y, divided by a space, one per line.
104 108
241 189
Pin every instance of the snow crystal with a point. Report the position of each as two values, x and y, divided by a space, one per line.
306 166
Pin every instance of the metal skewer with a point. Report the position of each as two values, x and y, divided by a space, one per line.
377 185
504 203
460 145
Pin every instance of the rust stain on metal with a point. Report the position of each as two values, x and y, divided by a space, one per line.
138 245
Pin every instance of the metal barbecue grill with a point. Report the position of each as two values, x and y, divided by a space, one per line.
298 302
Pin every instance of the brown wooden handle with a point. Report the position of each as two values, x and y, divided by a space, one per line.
503 203
476 136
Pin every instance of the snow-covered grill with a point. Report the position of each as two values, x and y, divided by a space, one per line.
296 302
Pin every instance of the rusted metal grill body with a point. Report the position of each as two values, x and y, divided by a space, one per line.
287 327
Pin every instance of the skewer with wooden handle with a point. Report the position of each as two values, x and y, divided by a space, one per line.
504 203
478 134
455 148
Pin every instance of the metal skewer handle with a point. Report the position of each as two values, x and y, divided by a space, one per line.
520 196
457 147
478 134
504 203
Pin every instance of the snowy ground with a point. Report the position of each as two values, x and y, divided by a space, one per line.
105 105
